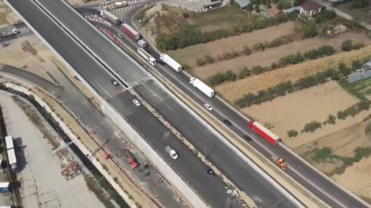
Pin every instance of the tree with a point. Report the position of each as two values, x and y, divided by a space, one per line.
249 7
292 133
269 4
257 8
347 45
244 72
279 6
298 2
310 30
275 1
312 126
344 69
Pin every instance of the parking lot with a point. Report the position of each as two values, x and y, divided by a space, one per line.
40 172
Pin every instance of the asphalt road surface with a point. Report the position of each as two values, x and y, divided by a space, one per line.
262 191
101 82
94 120
306 176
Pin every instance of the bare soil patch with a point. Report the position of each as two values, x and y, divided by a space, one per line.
35 54
293 111
357 178
343 143
234 90
267 57
7 17
190 54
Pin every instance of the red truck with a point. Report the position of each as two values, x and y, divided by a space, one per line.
131 32
264 132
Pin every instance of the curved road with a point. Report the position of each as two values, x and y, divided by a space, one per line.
313 181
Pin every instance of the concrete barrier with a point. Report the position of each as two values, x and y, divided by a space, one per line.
154 158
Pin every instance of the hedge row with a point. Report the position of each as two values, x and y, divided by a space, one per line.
189 36
285 88
230 76
246 51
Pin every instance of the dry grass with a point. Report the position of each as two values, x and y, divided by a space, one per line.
234 90
269 56
190 54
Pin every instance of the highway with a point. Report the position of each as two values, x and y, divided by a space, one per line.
237 171
93 120
192 169
303 174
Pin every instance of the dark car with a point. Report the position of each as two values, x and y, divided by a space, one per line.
210 171
226 122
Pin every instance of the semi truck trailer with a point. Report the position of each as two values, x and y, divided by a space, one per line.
264 132
131 32
147 56
111 17
8 34
202 87
171 62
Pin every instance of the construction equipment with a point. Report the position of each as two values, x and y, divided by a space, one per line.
131 159
280 162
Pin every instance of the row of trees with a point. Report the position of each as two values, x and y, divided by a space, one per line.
348 45
331 119
285 88
207 59
245 72
191 36
354 110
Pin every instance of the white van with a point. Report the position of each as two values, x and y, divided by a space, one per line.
173 154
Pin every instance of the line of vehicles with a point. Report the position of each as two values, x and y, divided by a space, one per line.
260 129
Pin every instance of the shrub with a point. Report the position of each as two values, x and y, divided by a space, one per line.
347 45
259 46
244 72
292 133
290 59
310 30
358 46
185 15
220 78
312 126
247 50
331 119
343 69
257 70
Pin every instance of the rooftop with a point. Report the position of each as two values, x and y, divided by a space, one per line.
311 5
243 3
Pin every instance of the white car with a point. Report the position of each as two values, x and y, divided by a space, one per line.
114 82
208 107
136 102
173 154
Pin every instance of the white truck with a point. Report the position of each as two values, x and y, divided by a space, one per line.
202 87
147 56
142 43
8 34
111 17
171 62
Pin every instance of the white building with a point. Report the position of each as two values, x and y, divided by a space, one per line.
310 8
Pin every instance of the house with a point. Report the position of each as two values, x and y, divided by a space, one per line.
274 11
243 3
310 8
